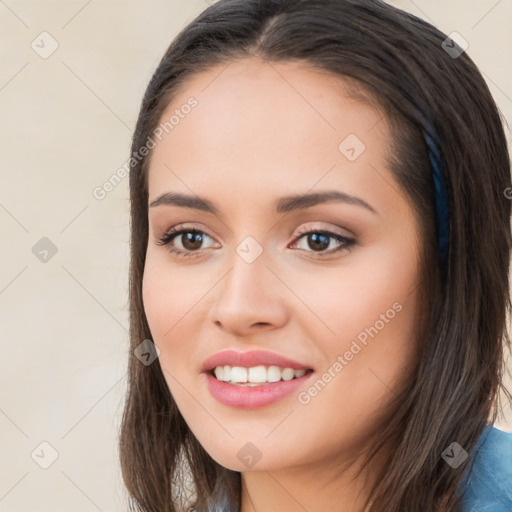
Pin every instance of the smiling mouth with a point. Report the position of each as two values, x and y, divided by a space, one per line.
256 375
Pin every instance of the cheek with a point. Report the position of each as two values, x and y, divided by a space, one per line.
158 301
165 305
368 318
174 300
169 295
370 295
348 399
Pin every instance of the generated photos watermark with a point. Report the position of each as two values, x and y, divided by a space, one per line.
357 345
101 191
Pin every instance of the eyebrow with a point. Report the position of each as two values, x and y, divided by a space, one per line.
282 205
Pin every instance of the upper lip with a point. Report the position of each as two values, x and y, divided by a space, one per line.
249 359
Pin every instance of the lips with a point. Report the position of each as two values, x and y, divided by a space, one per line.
250 359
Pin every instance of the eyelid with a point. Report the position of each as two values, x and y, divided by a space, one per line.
173 232
178 229
301 231
334 230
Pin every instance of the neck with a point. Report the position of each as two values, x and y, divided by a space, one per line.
327 485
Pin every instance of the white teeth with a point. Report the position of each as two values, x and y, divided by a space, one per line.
256 374
273 374
288 374
238 374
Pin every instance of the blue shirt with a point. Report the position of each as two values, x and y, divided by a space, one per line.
487 487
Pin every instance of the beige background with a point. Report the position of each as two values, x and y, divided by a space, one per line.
66 123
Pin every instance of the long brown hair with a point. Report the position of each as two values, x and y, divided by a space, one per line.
401 63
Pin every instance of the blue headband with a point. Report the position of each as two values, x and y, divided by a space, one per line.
441 198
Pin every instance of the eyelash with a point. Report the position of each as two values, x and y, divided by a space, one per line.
175 231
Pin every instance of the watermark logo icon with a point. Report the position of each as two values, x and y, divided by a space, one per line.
146 352
455 455
249 454
44 250
44 45
454 45
351 147
44 455
249 249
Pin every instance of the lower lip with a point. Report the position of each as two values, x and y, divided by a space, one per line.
251 397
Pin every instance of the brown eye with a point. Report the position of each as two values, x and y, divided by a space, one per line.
319 240
190 240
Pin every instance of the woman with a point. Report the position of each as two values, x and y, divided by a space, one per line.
319 268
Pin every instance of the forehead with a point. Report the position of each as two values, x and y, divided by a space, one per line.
258 125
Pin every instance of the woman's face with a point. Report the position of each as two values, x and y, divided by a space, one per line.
339 303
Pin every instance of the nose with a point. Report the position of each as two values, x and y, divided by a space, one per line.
250 298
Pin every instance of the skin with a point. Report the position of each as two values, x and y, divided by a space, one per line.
261 131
